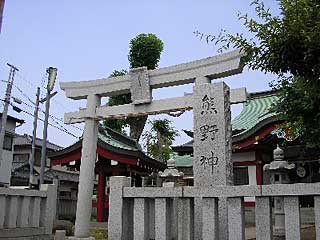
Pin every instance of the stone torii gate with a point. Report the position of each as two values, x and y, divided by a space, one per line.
210 103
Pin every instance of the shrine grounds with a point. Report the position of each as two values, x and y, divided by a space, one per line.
99 231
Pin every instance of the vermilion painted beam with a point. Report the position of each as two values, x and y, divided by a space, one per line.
245 163
253 139
117 157
75 156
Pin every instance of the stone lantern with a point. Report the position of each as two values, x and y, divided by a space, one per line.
170 176
279 175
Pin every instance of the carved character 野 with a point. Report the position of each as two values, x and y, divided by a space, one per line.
207 130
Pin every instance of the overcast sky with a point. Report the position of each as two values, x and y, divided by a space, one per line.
87 40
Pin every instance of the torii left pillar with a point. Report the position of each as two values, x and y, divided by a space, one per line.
86 178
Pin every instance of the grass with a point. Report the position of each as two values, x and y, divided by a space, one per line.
99 234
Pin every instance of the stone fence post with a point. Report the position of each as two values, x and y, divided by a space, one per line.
120 224
48 207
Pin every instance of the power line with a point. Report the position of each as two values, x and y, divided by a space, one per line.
26 80
24 94
31 101
51 116
43 87
43 80
61 128
61 120
63 106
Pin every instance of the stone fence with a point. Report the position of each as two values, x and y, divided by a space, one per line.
168 213
27 214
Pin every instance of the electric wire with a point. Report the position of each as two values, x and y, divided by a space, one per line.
42 92
59 127
43 86
53 118
25 95
31 101
19 75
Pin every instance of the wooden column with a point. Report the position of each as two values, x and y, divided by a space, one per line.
259 167
101 197
259 173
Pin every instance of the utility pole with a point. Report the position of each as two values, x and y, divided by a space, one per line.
51 80
13 70
34 137
1 13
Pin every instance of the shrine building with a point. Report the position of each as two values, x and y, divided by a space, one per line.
117 155
256 131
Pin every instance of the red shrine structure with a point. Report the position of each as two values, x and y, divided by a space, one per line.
117 155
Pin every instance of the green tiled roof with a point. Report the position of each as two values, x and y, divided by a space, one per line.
255 110
106 137
182 161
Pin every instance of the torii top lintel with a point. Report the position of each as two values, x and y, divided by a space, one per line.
141 81
222 65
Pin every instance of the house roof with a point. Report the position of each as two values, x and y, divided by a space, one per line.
13 118
114 142
26 140
255 111
106 137
254 115
183 161
22 171
117 140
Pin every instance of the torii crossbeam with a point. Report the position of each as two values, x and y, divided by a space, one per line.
140 83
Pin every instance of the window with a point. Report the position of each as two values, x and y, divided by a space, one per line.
65 194
240 176
21 157
7 143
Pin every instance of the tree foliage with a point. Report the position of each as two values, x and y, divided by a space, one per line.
118 124
145 50
159 139
287 45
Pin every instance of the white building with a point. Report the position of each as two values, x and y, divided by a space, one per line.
7 152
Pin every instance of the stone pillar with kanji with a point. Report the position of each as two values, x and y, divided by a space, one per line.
212 144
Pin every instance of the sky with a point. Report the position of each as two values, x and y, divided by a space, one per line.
87 40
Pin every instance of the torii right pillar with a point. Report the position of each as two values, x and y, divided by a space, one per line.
212 146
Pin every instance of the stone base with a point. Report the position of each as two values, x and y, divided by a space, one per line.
85 238
279 237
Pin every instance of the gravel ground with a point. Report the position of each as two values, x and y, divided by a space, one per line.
307 233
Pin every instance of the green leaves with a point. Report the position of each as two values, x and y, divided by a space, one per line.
288 46
159 139
118 124
145 50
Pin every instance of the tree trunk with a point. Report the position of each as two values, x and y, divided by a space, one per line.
137 126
